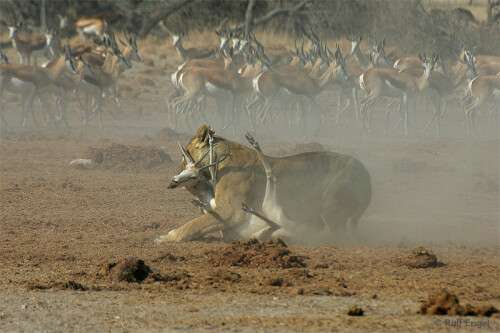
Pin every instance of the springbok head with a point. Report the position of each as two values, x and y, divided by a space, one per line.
378 56
63 21
123 62
428 64
471 66
132 42
192 169
224 35
235 40
340 65
71 62
13 30
355 43
177 38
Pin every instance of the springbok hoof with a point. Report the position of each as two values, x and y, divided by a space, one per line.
250 139
246 208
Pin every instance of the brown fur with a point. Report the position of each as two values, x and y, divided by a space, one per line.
322 190
482 90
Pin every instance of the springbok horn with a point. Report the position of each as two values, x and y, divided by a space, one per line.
202 157
186 154
221 159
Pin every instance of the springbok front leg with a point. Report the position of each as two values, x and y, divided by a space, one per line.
267 232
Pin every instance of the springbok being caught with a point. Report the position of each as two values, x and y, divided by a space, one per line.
316 208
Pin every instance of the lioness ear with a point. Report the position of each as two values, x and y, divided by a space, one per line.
201 138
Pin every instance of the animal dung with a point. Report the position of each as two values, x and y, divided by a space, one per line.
355 311
419 257
128 270
252 253
446 303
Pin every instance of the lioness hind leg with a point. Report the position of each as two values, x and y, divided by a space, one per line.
335 219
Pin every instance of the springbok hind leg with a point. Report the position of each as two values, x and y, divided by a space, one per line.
270 197
262 158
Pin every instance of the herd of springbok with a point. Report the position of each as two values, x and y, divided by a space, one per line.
252 85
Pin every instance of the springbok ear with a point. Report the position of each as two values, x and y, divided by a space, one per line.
202 136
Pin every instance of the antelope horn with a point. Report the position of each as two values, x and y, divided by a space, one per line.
221 159
186 154
202 157
127 36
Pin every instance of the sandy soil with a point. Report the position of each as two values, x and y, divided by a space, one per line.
62 227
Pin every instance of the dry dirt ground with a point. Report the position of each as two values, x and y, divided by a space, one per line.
63 229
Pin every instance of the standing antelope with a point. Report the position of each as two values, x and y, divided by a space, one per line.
40 79
268 84
190 53
363 60
100 78
64 85
228 64
484 90
221 84
34 45
131 53
378 82
350 87
93 26
214 82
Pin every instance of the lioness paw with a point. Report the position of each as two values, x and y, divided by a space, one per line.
170 237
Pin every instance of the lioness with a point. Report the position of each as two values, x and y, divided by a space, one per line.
319 191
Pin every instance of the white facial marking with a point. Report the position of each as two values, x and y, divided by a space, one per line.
12 31
236 43
243 43
188 173
223 42
176 39
354 45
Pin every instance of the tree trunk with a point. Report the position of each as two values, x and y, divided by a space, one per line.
249 17
43 17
